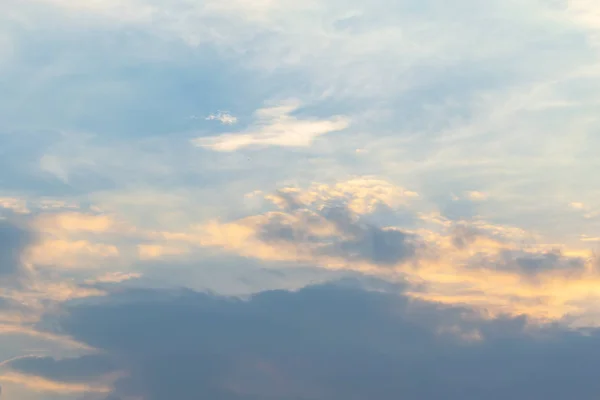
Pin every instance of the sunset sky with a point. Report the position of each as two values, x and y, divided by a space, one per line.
299 200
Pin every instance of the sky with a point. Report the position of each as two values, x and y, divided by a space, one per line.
299 200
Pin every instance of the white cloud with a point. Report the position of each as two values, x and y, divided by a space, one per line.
54 166
477 196
223 117
586 13
356 47
275 126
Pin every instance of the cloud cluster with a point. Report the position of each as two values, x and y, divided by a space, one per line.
487 111
446 259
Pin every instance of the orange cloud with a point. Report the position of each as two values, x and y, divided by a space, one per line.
498 268
42 385
150 251
71 254
24 330
18 205
75 222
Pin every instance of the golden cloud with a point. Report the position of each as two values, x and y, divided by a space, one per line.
71 253
496 268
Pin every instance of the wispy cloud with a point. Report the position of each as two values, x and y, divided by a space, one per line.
223 117
275 126
41 385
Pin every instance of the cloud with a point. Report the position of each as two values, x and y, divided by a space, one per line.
15 240
72 253
577 205
73 370
357 46
459 208
223 117
14 204
471 262
495 102
333 341
275 126
38 384
348 239
75 239
24 331
150 251
534 264
332 237
75 222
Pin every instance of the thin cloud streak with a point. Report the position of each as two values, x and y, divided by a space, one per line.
275 126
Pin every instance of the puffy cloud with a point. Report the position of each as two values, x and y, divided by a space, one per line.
347 239
330 341
324 225
363 194
503 269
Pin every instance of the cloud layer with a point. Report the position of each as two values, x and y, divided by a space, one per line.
333 341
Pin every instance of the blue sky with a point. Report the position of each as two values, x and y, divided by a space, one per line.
299 199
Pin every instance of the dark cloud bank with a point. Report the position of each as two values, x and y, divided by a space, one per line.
332 341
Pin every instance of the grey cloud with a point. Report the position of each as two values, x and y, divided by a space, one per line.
530 264
464 235
355 239
14 241
458 209
383 247
365 241
330 341
533 264
72 370
288 201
